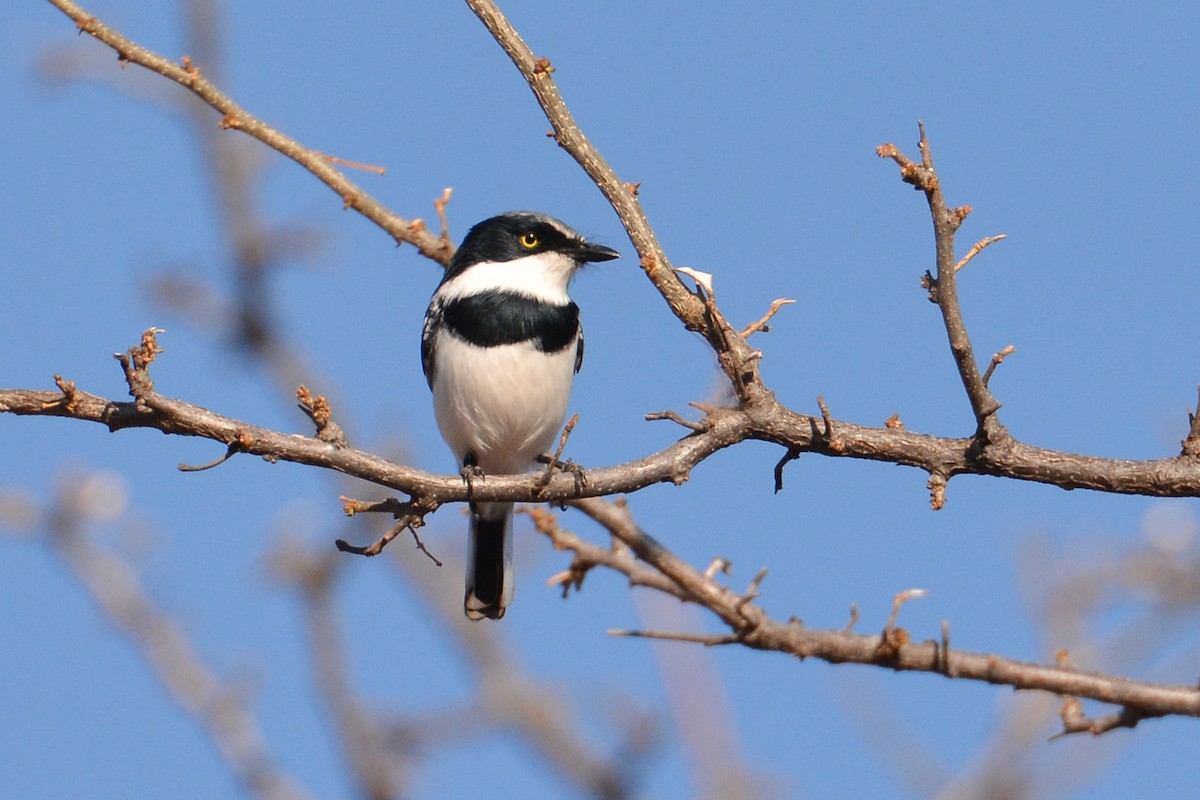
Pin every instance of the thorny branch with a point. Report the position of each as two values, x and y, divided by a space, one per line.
758 415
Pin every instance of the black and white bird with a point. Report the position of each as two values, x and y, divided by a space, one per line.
500 349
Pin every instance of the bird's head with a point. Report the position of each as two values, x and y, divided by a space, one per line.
522 251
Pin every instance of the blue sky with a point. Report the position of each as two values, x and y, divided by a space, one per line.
1069 127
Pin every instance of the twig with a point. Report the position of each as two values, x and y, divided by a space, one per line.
943 288
673 416
708 639
997 360
761 323
718 565
587 555
555 461
440 204
409 516
230 451
354 164
1075 721
977 248
791 455
854 618
899 600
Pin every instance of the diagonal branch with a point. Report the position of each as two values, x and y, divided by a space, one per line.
738 360
189 76
120 595
622 195
750 626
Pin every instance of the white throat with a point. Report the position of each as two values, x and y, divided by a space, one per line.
543 275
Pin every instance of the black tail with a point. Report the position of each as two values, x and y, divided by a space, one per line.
489 565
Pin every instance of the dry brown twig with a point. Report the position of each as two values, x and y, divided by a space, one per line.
991 450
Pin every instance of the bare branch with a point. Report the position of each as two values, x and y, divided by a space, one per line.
761 323
997 360
752 627
1075 721
944 289
942 457
978 248
118 592
738 360
235 117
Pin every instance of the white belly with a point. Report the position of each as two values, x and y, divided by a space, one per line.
505 404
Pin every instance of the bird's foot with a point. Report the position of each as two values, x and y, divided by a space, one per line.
469 473
553 463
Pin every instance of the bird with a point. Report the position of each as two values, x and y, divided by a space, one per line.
500 348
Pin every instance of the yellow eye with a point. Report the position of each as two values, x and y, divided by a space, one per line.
530 240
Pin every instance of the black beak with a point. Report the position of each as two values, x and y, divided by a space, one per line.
586 251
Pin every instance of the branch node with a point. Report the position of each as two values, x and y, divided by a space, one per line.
1074 719
1191 445
835 444
943 665
191 69
135 363
409 515
937 490
752 589
69 396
